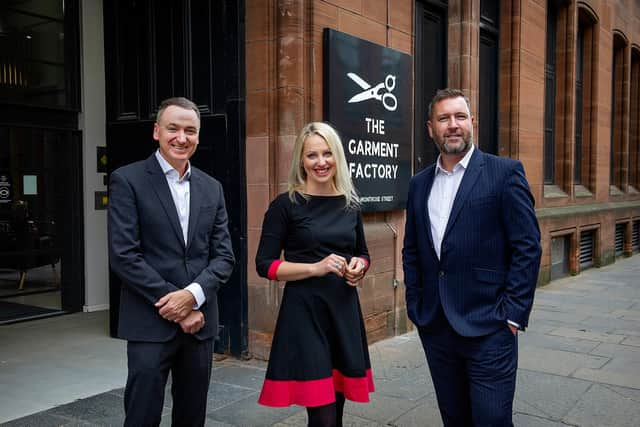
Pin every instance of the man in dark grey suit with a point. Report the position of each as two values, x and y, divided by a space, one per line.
170 245
471 257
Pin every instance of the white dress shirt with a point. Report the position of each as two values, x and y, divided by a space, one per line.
443 193
180 188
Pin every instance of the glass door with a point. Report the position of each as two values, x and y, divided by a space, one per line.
36 176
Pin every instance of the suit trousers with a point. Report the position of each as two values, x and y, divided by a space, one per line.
474 377
189 360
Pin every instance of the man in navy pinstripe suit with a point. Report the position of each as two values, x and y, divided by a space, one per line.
471 257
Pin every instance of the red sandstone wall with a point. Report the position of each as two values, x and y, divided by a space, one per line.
284 91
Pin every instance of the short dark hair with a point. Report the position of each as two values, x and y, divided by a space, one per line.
446 93
178 101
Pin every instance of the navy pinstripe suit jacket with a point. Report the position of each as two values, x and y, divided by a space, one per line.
490 253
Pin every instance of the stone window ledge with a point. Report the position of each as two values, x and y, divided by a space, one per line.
553 192
582 191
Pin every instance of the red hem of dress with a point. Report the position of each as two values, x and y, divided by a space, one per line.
316 392
272 274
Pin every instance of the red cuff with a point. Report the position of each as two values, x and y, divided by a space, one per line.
366 263
273 270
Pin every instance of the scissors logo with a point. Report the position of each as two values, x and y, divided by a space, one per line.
389 100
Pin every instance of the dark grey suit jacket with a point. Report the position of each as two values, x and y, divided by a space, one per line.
148 253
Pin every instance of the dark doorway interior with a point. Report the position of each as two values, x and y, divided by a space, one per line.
430 73
41 259
155 50
41 209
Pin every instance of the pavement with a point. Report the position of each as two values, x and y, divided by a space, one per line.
579 366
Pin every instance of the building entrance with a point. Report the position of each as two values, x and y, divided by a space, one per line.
41 254
155 50
36 262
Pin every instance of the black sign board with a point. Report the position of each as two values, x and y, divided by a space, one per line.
367 98
5 188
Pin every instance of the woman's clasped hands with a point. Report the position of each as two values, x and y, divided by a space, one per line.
353 271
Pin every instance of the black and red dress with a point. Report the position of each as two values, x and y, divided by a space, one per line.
319 344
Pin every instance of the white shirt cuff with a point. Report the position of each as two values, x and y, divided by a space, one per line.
196 291
513 324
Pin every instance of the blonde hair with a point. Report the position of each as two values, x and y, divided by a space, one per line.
342 179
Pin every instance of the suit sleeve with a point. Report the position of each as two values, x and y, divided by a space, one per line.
221 258
125 253
523 234
274 231
410 250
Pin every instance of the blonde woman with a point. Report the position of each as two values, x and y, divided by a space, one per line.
319 353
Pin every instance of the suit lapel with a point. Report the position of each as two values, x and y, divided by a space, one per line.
161 188
195 200
468 181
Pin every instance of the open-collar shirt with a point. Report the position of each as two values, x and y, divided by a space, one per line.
180 192
443 193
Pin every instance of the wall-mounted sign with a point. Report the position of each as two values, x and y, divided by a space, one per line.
101 159
367 98
5 188
101 200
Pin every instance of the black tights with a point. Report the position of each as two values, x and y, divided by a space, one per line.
328 415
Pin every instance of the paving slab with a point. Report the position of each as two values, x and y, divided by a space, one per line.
297 419
382 409
556 361
601 407
547 325
623 373
605 322
532 337
300 419
586 334
632 341
221 395
628 332
413 387
166 422
207 423
560 316
426 413
617 351
14 408
547 396
247 412
525 407
629 314
397 357
538 326
592 298
46 420
526 420
105 409
248 377
630 393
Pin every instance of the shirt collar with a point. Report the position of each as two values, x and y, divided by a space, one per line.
167 168
463 163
